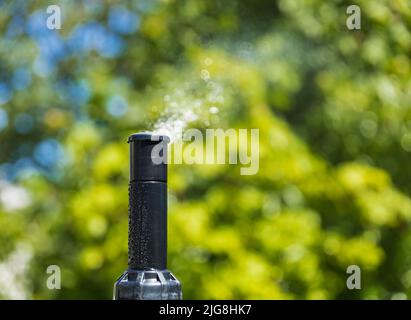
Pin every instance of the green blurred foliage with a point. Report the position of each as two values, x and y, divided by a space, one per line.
332 106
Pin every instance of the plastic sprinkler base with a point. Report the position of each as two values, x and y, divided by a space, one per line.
147 285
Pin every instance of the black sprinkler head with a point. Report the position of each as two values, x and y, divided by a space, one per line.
147 277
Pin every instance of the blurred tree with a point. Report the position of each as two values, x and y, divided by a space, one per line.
332 106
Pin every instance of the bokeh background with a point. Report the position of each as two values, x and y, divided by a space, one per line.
334 111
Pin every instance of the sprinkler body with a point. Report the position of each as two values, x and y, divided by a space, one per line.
147 277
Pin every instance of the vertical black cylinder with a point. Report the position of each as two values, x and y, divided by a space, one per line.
147 238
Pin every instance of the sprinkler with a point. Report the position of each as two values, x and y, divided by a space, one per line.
147 277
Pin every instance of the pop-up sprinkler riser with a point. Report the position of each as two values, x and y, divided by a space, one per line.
147 277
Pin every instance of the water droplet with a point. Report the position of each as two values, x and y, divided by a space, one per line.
208 61
205 75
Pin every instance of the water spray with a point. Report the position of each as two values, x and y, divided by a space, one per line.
147 277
